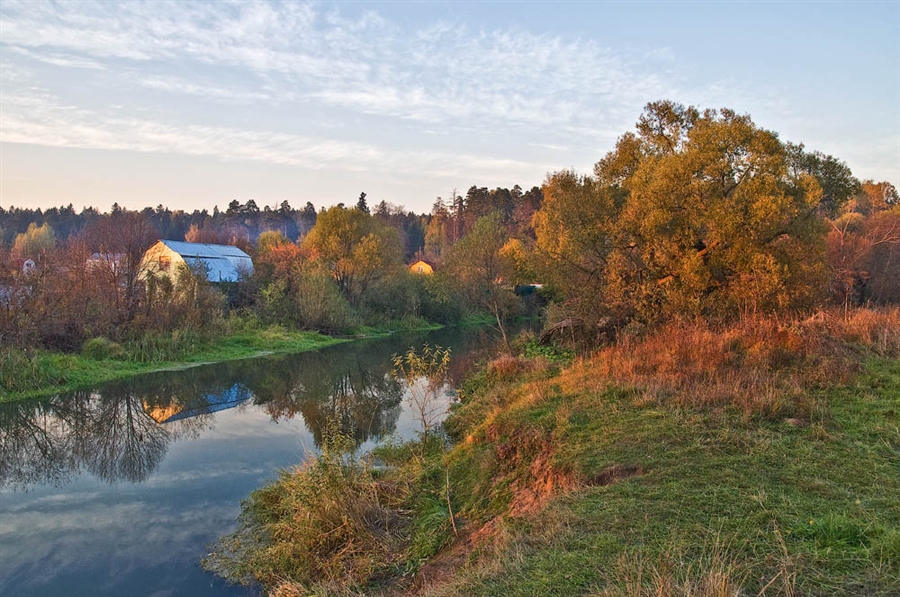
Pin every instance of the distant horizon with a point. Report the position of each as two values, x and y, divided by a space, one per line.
193 105
295 205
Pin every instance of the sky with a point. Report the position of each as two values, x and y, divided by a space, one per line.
192 105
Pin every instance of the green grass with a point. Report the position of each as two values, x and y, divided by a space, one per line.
710 502
476 319
810 508
408 324
42 373
657 467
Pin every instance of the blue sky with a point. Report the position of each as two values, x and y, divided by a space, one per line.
192 105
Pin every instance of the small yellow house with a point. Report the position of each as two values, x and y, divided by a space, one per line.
422 267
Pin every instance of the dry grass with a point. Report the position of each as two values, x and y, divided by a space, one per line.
328 527
506 367
764 367
713 573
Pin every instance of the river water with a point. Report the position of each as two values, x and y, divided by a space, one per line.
119 490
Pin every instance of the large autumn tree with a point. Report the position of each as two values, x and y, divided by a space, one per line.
355 247
694 213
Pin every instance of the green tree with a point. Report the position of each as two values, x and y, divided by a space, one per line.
834 176
355 247
477 266
269 240
361 204
577 229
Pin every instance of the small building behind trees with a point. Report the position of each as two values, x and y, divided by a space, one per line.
220 263
422 267
24 266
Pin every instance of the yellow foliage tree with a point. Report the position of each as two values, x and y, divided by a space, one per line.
355 247
35 241
695 214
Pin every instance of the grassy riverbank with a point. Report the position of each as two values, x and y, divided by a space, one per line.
35 373
576 485
755 460
41 373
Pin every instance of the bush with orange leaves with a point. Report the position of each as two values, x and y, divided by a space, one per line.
763 366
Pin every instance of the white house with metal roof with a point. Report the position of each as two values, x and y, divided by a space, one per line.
220 263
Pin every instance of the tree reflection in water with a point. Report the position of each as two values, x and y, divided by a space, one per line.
110 435
122 431
332 390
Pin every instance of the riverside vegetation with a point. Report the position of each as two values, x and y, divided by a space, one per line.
755 458
715 413
710 410
27 374
89 298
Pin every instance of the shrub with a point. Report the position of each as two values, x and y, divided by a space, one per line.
330 525
390 298
101 348
438 302
321 306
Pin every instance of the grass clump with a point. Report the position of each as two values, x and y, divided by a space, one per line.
337 525
102 348
22 370
327 526
713 571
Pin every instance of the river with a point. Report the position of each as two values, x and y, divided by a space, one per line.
119 490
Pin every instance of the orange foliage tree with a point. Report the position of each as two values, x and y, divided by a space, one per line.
694 214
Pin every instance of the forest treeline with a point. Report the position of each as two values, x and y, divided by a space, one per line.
692 214
242 223
332 270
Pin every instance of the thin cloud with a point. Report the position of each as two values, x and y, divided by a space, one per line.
205 89
439 74
39 120
271 81
57 59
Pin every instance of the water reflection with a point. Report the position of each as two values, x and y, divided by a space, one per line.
121 431
355 395
128 484
111 435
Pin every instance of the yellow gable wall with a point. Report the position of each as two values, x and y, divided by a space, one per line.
420 267
160 259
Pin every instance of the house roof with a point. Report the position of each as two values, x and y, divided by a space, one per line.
201 405
222 263
425 261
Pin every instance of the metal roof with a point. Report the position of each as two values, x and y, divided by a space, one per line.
222 263
210 403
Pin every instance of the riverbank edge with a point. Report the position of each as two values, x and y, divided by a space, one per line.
79 371
567 479
584 480
82 371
